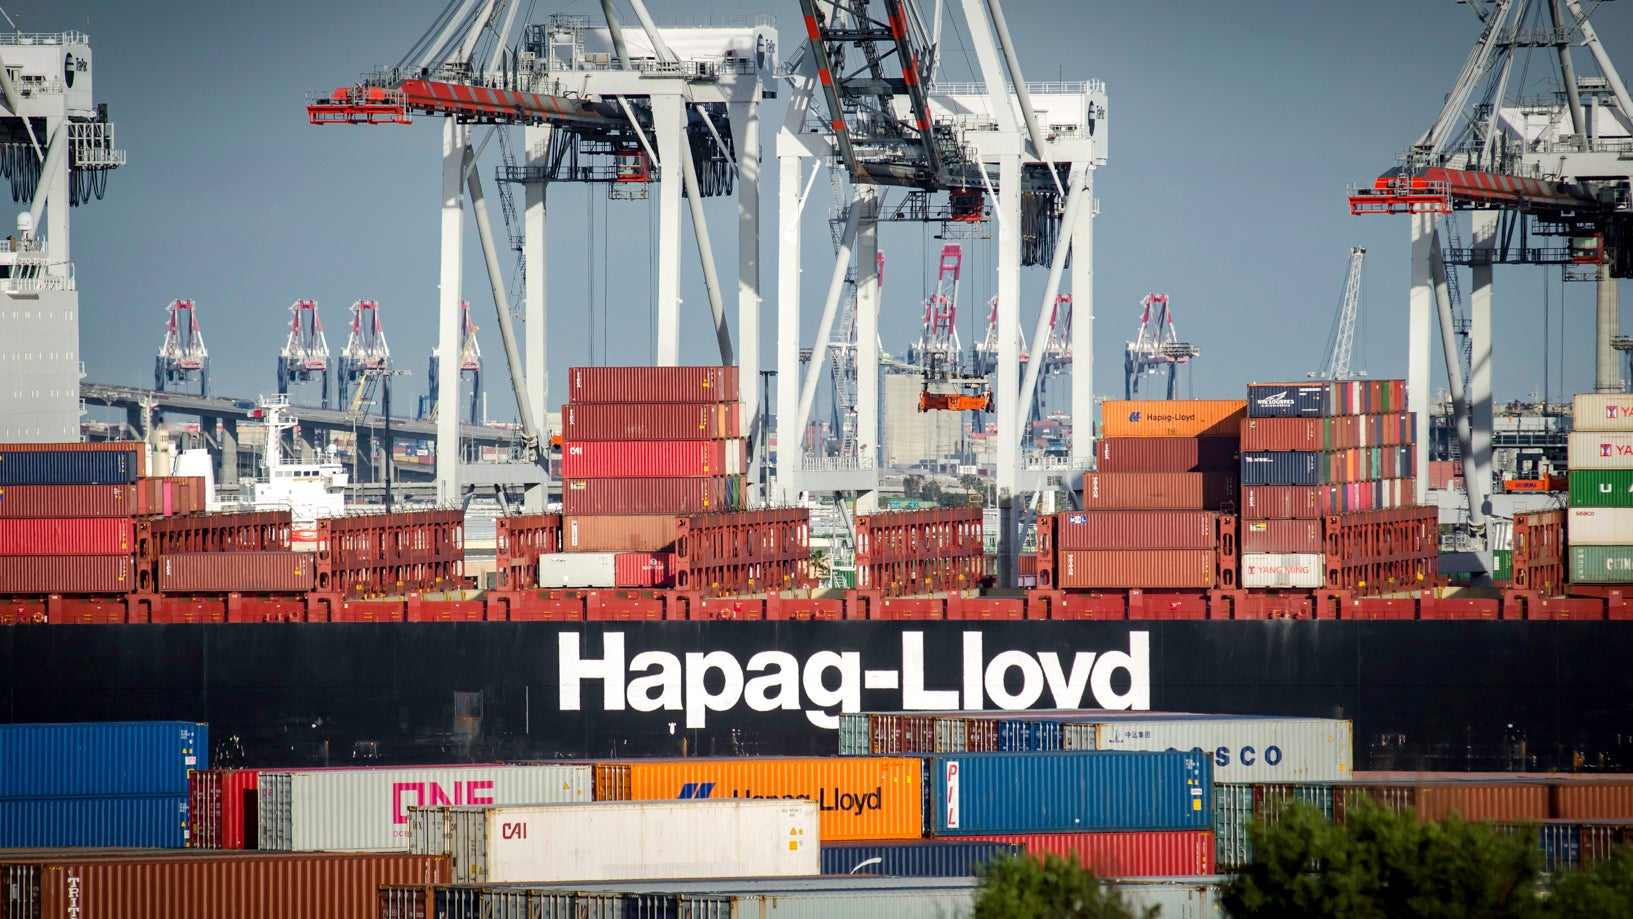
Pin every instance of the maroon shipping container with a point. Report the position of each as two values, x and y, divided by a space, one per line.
652 384
651 495
1137 530
617 533
650 421
80 500
171 496
658 458
66 536
1296 536
1593 800
1167 454
86 883
1121 568
643 569
1170 853
67 574
135 448
222 808
1499 801
1159 490
241 572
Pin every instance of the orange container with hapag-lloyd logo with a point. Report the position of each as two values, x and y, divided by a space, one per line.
1172 418
858 797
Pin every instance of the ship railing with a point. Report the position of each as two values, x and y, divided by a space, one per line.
44 38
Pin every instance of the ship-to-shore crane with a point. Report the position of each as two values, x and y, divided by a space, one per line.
1341 342
1156 349
305 356
182 358
938 350
365 355
470 368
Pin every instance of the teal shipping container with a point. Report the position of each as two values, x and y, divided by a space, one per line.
980 793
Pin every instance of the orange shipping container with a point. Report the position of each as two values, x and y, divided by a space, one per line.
1176 418
857 797
617 533
1593 800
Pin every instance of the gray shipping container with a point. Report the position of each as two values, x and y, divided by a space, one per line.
578 569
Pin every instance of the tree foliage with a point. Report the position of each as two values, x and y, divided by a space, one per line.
1023 887
1601 889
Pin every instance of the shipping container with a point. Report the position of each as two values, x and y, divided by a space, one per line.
1601 564
66 465
1154 568
652 384
618 533
221 806
1172 418
1260 570
690 495
1602 412
1166 454
1593 799
1601 488
1290 400
218 885
578 569
1498 801
1282 536
239 572
1161 853
1137 530
80 500
858 797
1599 526
1158 490
67 535
1262 502
66 574
1600 450
1243 748
644 569
126 821
985 793
654 458
366 809
1329 433
101 758
1237 806
650 421
939 858
605 841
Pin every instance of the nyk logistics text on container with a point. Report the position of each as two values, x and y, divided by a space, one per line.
829 682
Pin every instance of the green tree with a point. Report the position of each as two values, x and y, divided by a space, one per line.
1601 889
1023 887
1379 864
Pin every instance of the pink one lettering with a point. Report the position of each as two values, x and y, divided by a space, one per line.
433 794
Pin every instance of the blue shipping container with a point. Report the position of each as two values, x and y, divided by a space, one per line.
976 793
101 758
1283 468
939 859
137 822
1289 400
1029 736
67 467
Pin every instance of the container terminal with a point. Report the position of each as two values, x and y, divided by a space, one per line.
798 617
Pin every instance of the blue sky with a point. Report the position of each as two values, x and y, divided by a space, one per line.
1235 128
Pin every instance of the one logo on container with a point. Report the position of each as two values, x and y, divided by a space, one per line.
432 794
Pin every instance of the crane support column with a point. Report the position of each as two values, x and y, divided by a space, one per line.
1454 375
1057 265
1420 302
1484 238
745 131
227 476
825 325
669 132
534 335
455 136
789 440
1607 376
1010 413
1082 230
867 336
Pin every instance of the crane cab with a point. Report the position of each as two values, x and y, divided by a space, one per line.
1588 249
632 166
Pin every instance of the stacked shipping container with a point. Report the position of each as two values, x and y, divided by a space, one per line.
1599 531
67 517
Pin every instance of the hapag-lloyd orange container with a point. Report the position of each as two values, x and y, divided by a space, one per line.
858 797
1172 418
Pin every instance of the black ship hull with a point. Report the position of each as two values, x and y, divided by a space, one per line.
1474 696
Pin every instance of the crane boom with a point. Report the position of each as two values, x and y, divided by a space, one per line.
1341 345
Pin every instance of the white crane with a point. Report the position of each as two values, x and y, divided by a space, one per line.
1341 343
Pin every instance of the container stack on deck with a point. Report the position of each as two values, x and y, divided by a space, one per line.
1327 489
1600 525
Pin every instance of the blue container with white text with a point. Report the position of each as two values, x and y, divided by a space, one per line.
914 858
978 793
100 758
124 822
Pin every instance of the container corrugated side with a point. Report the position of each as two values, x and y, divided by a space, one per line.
1601 564
1286 571
578 569
367 809
984 793
1599 526
1282 536
654 458
643 569
1137 530
1245 749
242 572
1501 801
1172 418
22 466
652 384
1118 568
650 421
67 574
939 858
1602 412
617 533
1158 490
1166 454
67 535
1600 450
128 821
1290 400
859 797
604 841
101 758
221 808
718 898
1592 800
81 500
1237 806
1601 488
1161 853
690 495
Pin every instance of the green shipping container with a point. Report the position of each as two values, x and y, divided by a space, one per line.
1502 563
1602 488
1602 564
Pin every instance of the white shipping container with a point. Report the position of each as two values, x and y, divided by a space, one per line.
366 809
1244 749
1599 526
614 840
577 569
1602 412
1263 569
1600 450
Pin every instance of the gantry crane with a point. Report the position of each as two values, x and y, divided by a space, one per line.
938 350
470 368
182 357
1341 342
305 356
366 350
1156 349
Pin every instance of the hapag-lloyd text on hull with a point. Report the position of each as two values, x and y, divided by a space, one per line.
824 683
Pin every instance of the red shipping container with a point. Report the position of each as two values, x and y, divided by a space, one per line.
81 500
1137 530
222 808
1167 454
650 421
67 574
659 458
617 533
1159 490
66 536
1171 853
241 572
652 384
643 569
1148 568
1282 536
651 495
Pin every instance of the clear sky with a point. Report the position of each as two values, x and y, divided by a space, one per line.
1234 130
